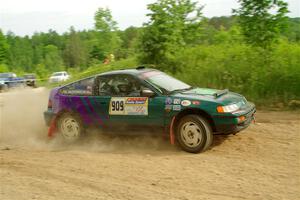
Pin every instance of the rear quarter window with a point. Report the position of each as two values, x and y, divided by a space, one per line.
80 88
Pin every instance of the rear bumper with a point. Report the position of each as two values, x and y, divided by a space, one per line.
234 127
48 116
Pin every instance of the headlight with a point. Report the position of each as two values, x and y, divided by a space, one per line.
227 109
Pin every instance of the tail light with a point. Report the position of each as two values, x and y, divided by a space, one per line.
49 104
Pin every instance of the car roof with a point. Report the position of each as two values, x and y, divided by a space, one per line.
134 72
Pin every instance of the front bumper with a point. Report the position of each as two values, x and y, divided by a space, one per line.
230 124
48 116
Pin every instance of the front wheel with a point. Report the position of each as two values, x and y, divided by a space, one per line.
194 134
70 127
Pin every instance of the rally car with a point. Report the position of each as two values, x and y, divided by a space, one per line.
146 98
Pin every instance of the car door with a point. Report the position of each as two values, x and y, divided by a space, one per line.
119 99
101 100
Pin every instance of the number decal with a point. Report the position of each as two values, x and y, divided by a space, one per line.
117 105
122 105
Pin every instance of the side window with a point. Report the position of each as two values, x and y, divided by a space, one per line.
102 86
119 85
81 88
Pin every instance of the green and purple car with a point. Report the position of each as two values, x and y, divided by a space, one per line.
144 99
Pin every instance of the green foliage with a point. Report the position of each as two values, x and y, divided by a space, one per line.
262 21
222 22
75 54
173 24
231 36
104 21
41 71
3 68
129 38
3 49
293 31
108 39
242 68
53 60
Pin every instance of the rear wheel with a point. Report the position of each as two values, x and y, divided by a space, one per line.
194 134
70 127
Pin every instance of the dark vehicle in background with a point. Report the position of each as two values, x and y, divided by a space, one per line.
30 80
10 80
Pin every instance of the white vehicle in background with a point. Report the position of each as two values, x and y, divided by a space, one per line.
59 77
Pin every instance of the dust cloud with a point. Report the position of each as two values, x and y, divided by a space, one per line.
22 126
21 117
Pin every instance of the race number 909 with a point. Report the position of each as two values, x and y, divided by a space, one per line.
117 106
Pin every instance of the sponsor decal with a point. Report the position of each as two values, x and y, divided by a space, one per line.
176 101
76 92
128 106
196 102
176 107
186 103
168 108
136 100
168 101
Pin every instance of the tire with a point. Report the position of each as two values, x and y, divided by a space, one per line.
69 125
194 134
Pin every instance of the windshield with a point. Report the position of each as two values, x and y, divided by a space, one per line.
58 74
165 82
5 75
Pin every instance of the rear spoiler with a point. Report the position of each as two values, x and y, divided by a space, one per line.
220 93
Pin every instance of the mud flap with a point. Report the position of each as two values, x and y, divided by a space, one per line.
172 136
52 128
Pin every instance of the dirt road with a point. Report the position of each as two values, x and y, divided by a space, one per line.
262 162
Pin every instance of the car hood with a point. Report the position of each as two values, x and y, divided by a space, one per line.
223 97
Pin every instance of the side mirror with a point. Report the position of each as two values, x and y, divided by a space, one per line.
147 93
